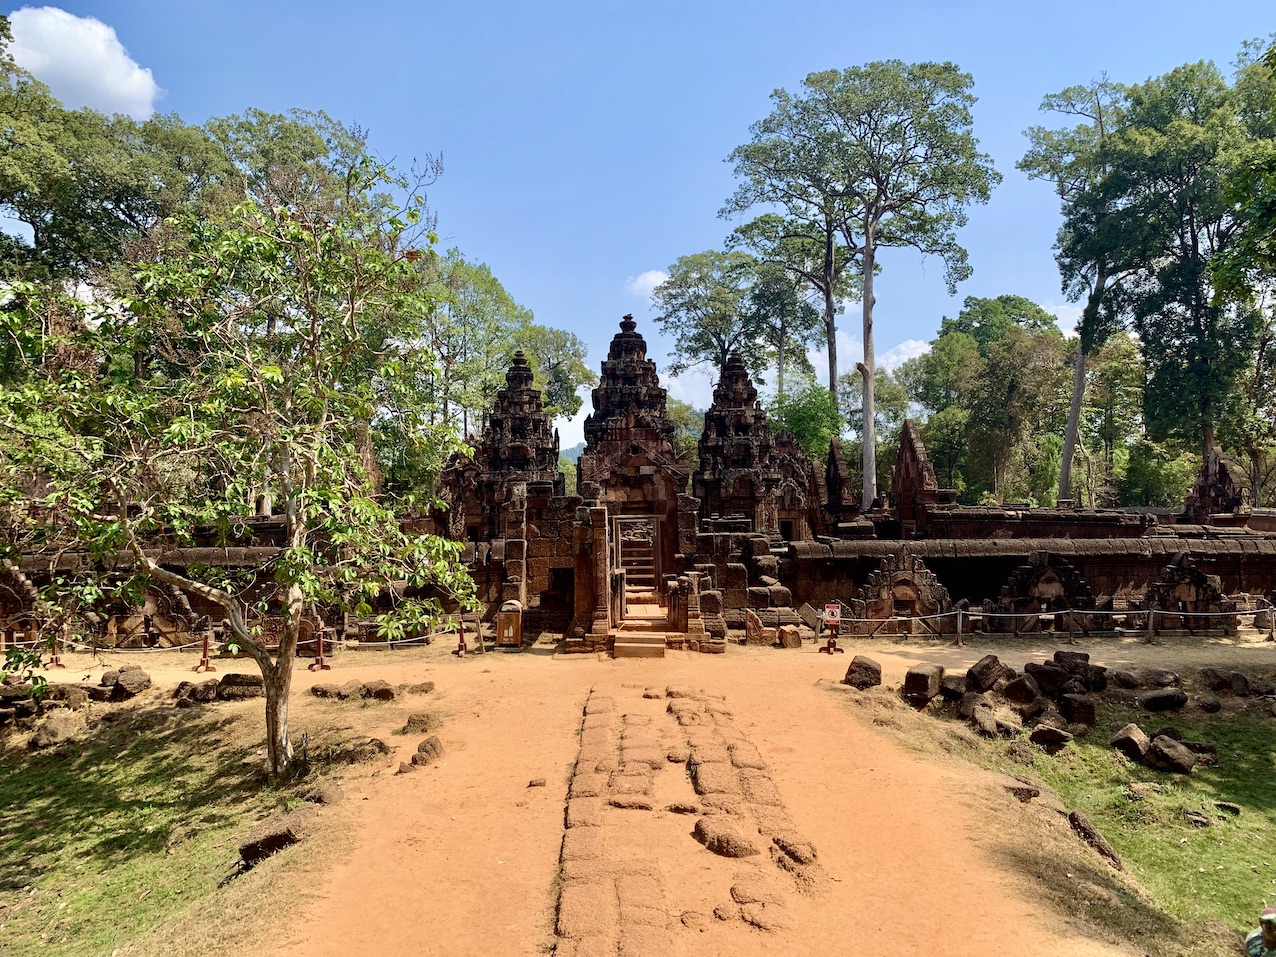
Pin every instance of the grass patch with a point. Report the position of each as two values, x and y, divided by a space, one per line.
1225 872
106 838
1189 881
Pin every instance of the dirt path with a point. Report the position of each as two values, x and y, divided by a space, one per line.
463 857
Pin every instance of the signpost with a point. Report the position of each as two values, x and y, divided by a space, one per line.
832 621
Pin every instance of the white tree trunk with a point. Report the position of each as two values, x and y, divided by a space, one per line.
867 371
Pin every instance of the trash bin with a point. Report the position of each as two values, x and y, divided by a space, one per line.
509 625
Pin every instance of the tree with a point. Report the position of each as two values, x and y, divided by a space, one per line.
558 361
1074 160
1000 363
1112 417
810 414
882 155
84 185
1248 268
787 320
1180 139
703 306
269 341
807 244
688 423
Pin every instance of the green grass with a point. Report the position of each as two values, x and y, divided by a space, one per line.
103 839
1194 880
1225 872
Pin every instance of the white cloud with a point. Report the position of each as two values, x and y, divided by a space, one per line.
851 350
1066 316
908 349
82 61
694 387
642 284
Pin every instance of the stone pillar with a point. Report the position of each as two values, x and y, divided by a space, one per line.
695 620
602 573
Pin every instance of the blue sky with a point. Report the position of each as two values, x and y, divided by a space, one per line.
584 142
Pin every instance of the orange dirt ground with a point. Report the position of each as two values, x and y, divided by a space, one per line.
462 857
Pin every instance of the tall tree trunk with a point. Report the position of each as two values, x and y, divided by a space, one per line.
1074 425
1089 317
830 312
779 370
867 370
279 756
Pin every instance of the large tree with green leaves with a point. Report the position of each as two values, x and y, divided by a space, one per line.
249 362
84 185
786 319
1181 139
1074 161
877 156
999 363
704 307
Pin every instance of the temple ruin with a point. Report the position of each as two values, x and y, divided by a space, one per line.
650 554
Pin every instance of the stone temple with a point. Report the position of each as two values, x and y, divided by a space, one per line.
648 554
759 535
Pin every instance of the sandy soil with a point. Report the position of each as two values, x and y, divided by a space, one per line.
463 857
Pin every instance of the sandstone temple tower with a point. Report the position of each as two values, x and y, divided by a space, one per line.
630 461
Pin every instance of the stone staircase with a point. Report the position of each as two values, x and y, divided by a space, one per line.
638 559
642 633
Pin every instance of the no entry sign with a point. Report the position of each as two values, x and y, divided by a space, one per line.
832 613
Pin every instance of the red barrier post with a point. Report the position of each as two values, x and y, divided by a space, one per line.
204 663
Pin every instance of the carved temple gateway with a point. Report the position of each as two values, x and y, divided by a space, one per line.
649 554
765 532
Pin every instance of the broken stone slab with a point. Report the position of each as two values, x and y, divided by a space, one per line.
74 696
921 684
1023 791
1167 754
351 690
789 636
325 792
1050 677
325 690
1158 678
1124 679
1163 699
1073 662
236 687
1077 709
953 687
130 683
863 673
379 690
1132 742
1090 834
1216 678
984 673
428 751
1049 737
56 728
1022 690
722 838
1208 703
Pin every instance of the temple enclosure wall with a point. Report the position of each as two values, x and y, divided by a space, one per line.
764 532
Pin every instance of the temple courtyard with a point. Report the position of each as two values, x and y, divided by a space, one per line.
885 838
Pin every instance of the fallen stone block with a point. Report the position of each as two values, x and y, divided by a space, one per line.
1167 754
863 673
1132 742
1163 699
240 687
921 684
